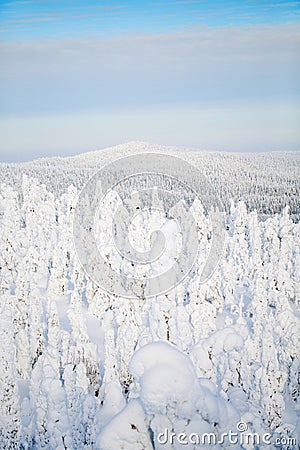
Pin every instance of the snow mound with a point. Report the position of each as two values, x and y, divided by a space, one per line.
170 391
167 379
128 430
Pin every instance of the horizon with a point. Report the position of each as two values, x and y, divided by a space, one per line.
179 148
222 76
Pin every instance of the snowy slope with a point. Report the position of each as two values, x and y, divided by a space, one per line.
266 182
84 369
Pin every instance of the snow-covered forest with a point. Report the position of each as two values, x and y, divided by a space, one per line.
81 368
266 182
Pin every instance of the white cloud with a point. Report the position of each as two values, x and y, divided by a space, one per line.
125 88
231 44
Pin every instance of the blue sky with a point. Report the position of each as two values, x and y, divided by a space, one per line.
59 18
82 75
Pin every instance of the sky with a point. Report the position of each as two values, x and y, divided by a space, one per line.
84 75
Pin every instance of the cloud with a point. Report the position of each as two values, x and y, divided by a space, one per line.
16 3
16 19
198 67
53 18
176 2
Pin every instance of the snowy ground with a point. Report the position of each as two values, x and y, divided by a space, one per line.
85 369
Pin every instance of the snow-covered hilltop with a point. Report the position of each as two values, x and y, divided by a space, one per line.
266 182
81 368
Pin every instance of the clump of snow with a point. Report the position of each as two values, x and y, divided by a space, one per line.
171 393
167 379
127 430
